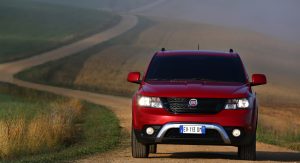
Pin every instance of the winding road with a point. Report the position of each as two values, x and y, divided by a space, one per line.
122 108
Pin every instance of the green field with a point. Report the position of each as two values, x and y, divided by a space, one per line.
74 128
63 72
30 27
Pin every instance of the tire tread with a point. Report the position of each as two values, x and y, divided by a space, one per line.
139 150
248 152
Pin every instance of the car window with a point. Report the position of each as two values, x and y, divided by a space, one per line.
191 67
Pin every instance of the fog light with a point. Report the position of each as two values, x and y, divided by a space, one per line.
150 131
236 132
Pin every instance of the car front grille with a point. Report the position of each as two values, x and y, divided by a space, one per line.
205 106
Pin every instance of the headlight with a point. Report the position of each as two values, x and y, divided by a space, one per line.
243 103
153 102
237 104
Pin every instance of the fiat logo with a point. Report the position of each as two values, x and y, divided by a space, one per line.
193 102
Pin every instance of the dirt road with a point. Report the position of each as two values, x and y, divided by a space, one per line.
8 69
121 106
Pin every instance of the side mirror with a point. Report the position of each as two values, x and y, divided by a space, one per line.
134 77
258 79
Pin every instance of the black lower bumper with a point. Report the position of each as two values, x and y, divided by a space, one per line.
211 137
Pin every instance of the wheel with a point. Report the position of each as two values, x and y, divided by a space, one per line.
153 148
139 150
248 152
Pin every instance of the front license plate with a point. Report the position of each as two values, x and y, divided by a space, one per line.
192 129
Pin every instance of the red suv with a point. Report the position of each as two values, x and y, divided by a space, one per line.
195 97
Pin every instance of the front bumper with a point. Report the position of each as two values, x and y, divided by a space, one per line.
147 116
215 135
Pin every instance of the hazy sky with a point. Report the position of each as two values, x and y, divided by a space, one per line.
280 18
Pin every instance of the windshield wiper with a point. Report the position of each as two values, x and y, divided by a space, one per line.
157 79
178 79
171 80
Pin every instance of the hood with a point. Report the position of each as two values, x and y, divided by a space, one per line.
195 89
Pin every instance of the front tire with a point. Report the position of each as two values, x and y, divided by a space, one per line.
139 150
153 148
248 152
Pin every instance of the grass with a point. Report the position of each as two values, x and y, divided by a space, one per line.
29 27
288 139
21 135
41 127
96 138
279 127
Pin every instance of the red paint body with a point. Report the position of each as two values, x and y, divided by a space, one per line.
244 118
146 116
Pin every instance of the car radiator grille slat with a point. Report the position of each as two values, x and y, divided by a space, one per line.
205 105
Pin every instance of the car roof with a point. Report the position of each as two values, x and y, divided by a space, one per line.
196 52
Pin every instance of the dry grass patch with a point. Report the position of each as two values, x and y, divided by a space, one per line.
107 71
47 131
44 127
281 120
280 126
12 134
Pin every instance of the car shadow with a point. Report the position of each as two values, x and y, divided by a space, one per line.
278 156
261 155
200 155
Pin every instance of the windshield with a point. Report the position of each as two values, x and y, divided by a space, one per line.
196 67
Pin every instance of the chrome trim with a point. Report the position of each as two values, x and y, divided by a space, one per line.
168 126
